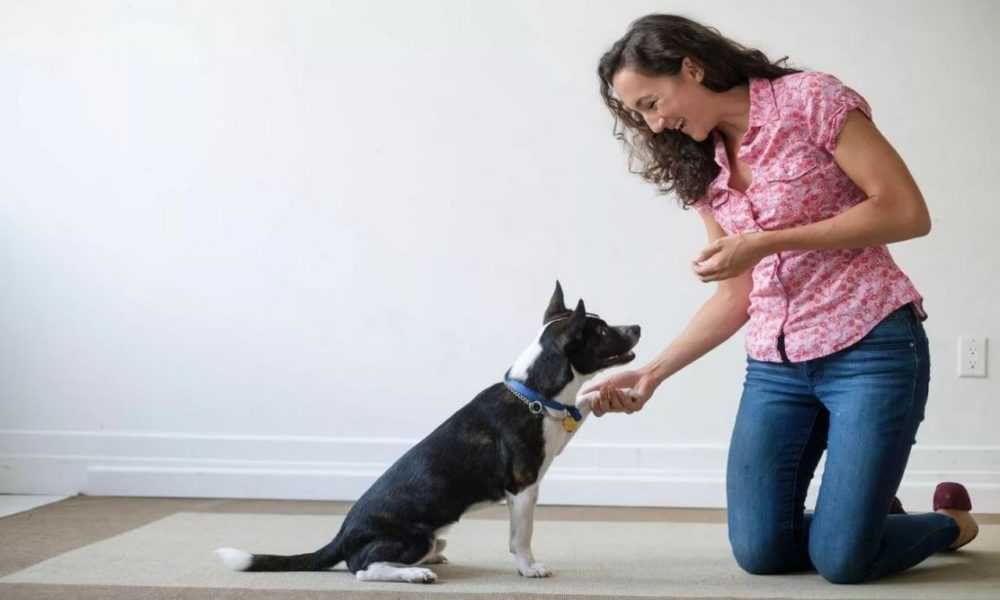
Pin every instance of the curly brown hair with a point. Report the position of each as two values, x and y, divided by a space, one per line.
656 45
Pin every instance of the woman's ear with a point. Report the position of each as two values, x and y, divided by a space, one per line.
693 69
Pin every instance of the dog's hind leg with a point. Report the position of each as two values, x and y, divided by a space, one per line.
435 557
382 571
392 560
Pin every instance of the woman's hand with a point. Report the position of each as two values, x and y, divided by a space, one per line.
730 256
613 397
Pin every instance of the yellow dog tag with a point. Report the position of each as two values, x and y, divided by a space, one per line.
570 424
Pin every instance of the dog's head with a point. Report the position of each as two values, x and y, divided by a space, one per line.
573 346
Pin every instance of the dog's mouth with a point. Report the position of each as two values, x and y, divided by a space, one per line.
618 359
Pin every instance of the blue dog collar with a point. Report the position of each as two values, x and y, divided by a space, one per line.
536 401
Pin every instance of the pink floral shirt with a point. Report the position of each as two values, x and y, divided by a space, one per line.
818 301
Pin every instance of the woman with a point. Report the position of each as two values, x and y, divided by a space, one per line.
799 193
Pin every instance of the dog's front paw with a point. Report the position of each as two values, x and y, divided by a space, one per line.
535 570
586 401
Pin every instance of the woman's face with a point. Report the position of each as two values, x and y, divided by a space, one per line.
675 102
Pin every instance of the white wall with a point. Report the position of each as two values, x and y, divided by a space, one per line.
258 249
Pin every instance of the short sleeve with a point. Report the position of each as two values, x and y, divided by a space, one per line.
826 101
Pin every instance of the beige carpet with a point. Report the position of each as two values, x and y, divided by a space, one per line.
590 558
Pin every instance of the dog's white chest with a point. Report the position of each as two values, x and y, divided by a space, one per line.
556 437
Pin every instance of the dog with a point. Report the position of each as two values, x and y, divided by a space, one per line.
496 447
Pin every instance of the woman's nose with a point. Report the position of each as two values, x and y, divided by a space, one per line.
655 123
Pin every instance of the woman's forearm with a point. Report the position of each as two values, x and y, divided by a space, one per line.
873 222
722 315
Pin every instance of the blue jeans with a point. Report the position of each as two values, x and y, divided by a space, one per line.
862 405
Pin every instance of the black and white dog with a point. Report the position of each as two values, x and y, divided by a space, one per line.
498 446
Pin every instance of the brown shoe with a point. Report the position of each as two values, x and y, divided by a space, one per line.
952 495
952 499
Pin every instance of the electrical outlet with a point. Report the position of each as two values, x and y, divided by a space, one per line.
972 356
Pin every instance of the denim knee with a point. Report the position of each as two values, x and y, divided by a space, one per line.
838 565
761 554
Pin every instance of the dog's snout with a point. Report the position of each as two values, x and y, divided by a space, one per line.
630 332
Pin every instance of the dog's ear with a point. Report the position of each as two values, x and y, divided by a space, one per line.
575 325
556 304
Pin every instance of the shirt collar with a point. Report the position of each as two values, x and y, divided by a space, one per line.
763 109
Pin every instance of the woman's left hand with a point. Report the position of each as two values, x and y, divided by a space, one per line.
729 256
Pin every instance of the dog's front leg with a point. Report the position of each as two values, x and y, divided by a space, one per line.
585 402
522 517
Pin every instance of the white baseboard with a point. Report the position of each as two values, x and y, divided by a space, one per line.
289 467
13 504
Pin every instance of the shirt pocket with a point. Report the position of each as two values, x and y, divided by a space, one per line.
790 193
791 170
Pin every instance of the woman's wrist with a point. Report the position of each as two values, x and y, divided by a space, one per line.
765 243
654 371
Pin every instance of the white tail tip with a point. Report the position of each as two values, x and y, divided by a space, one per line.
236 560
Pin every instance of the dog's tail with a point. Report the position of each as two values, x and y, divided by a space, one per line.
324 558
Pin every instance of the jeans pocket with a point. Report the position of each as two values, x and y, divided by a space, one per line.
894 332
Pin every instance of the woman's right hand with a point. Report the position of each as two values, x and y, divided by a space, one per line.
613 397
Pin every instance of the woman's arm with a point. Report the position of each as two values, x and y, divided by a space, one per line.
721 316
894 210
718 319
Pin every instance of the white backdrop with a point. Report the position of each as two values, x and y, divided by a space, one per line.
258 248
